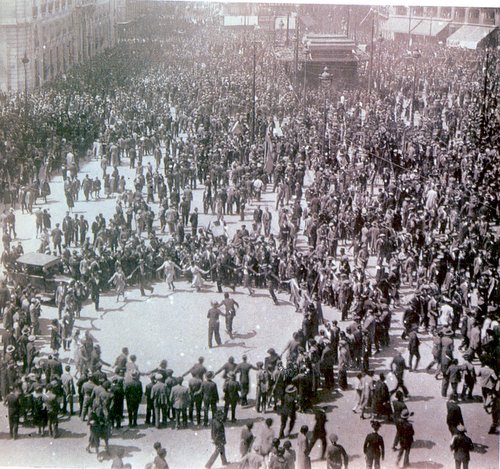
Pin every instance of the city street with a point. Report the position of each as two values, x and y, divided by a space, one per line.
173 326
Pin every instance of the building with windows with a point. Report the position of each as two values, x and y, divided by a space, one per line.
41 39
468 27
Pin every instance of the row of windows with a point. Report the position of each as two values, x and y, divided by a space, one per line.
446 12
44 7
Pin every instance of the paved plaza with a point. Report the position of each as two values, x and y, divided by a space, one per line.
173 326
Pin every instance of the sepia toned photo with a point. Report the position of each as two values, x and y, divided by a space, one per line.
249 235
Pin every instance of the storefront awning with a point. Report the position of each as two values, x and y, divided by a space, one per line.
415 26
469 36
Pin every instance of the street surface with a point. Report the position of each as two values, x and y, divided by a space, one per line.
173 325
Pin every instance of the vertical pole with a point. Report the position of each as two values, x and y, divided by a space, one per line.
348 21
485 91
296 56
412 115
409 28
371 57
287 28
253 92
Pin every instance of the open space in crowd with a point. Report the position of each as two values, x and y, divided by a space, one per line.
202 262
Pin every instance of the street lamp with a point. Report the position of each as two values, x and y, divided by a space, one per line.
325 80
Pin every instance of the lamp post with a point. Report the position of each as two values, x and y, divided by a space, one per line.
325 80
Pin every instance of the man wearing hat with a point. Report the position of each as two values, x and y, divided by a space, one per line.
461 445
231 395
405 435
374 447
336 456
288 410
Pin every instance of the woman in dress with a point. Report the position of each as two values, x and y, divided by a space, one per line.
118 279
168 268
196 272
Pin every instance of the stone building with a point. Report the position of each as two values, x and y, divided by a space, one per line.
40 39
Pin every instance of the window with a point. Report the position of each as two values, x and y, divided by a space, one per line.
474 15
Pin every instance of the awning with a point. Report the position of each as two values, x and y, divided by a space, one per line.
469 36
415 26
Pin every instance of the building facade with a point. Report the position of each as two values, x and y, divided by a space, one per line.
469 27
41 39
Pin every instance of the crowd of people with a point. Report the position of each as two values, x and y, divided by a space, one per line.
412 185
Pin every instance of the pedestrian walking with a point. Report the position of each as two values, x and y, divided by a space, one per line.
219 440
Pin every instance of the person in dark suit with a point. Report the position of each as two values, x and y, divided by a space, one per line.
195 398
219 440
398 407
231 395
454 416
133 396
288 410
405 433
374 447
210 397
461 445
13 404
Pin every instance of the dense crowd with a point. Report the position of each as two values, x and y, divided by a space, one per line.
412 184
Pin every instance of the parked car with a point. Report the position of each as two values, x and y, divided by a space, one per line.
42 271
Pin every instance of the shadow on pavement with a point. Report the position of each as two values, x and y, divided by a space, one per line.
426 464
247 335
427 444
63 433
419 398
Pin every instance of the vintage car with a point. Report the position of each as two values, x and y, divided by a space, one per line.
42 271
